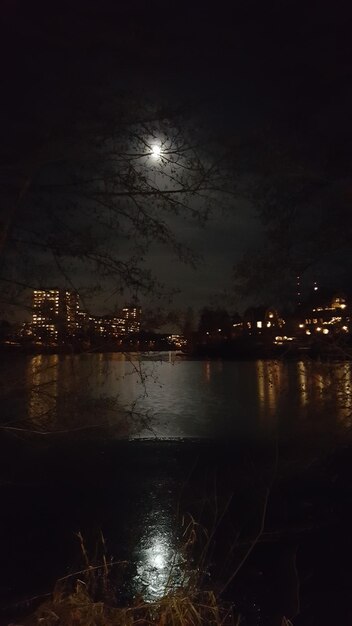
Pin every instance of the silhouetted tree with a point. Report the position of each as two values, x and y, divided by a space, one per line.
301 193
188 326
215 321
93 175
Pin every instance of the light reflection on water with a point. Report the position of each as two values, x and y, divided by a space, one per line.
270 386
324 386
177 399
42 383
160 565
144 396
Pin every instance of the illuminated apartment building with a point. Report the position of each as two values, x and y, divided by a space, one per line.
132 319
329 317
112 326
55 313
108 326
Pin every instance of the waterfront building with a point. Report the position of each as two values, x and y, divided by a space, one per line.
131 316
108 326
55 314
263 321
326 316
125 322
177 341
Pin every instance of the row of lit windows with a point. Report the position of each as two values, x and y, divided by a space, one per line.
260 324
39 318
337 305
48 327
315 320
326 331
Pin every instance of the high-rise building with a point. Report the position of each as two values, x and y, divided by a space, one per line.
55 313
126 321
132 319
107 326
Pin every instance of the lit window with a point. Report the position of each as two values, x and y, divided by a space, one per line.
259 324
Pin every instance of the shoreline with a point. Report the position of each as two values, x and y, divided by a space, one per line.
314 354
309 506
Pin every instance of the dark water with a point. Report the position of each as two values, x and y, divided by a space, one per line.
228 430
169 397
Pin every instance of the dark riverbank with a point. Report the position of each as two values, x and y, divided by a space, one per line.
136 493
252 349
225 352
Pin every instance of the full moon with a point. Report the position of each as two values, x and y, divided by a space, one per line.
156 151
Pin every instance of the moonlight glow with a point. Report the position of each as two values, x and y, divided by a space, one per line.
156 151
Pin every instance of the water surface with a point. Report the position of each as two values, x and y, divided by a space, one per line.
134 445
167 396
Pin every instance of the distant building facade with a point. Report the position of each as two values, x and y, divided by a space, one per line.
131 316
327 316
55 314
127 321
263 321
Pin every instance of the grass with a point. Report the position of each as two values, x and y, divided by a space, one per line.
88 598
179 608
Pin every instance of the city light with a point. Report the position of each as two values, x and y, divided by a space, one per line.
57 318
54 313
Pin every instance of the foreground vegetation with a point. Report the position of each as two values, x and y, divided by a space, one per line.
178 608
88 598
181 607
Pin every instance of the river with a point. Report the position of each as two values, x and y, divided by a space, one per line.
145 448
167 396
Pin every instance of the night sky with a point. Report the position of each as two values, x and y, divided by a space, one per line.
268 87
